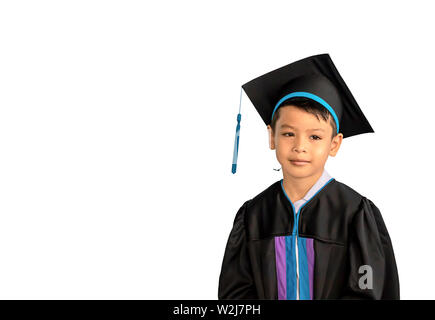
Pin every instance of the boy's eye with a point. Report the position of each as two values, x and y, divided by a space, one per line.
288 134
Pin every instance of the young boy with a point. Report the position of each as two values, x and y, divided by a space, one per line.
307 236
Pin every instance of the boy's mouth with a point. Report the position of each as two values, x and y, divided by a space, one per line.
299 162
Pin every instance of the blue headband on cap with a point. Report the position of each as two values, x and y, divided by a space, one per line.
312 97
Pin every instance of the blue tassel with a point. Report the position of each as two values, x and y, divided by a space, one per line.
236 144
236 139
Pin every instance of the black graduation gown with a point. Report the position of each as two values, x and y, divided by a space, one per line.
339 232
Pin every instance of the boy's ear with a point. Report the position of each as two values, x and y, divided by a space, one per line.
271 137
335 144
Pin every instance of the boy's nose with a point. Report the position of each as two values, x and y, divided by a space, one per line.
299 149
299 145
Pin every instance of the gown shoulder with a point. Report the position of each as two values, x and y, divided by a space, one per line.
370 248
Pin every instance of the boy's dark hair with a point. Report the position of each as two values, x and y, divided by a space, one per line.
309 106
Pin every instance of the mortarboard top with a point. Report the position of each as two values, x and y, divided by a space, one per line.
315 78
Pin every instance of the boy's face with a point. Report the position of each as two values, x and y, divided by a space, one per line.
301 141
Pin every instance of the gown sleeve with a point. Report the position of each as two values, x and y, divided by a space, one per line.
236 279
370 245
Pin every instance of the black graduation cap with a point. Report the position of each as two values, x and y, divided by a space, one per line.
315 78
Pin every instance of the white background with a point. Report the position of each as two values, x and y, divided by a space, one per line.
117 123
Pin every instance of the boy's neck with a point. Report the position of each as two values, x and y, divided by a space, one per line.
297 188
